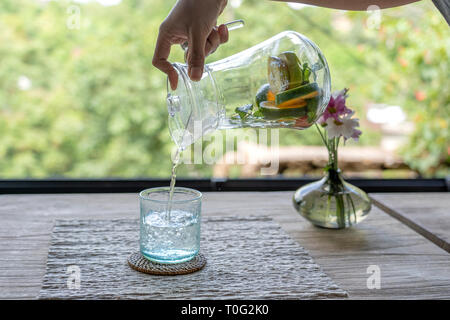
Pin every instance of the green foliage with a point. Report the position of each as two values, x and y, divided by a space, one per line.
96 106
412 56
423 54
415 68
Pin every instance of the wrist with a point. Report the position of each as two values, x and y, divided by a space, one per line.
221 4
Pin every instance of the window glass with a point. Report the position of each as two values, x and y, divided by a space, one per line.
80 98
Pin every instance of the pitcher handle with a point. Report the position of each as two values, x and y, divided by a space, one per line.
231 25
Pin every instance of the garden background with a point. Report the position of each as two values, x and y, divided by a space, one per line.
87 102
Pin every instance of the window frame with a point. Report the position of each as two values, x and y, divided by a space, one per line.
118 185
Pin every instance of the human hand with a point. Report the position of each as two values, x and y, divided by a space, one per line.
193 21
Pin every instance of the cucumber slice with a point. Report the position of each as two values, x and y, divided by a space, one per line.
312 106
294 67
278 74
271 112
264 94
291 96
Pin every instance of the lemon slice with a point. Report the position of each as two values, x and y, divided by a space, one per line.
278 74
264 94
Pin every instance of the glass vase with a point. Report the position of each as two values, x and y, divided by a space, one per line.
332 202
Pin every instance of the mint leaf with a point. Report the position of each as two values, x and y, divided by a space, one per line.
311 116
258 114
244 111
306 72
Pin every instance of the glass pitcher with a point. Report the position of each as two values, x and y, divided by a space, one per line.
283 82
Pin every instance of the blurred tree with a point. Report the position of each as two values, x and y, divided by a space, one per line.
412 57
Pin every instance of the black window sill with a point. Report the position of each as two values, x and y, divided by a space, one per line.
113 185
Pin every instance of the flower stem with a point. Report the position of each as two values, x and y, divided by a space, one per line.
321 135
344 201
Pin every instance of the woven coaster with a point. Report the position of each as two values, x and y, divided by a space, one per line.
137 262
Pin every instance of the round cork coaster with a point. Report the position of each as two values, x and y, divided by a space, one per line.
137 262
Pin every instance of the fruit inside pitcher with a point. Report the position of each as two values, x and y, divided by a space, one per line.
290 95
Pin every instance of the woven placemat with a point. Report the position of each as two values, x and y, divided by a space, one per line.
248 258
137 261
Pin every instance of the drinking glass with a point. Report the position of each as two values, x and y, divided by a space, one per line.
170 233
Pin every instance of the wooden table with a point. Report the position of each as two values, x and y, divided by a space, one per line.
426 213
412 266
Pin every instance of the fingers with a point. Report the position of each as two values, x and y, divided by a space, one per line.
196 54
216 37
162 51
198 48
212 42
223 33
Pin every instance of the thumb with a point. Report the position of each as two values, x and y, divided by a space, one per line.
196 54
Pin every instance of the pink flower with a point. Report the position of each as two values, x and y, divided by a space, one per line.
322 121
337 119
336 107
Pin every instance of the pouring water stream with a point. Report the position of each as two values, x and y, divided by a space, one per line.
232 25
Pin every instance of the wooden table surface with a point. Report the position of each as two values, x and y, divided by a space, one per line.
426 213
411 265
